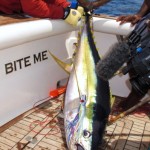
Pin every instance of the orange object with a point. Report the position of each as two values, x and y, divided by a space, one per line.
57 92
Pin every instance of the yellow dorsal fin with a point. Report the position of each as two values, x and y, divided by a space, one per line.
66 67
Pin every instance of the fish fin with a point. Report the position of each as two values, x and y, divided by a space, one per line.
112 99
66 67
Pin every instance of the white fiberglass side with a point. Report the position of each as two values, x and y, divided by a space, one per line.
28 73
119 84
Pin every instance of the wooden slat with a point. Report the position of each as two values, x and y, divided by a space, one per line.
116 134
35 117
134 144
21 126
10 137
40 114
130 147
146 139
138 127
14 134
18 130
3 146
147 127
54 143
24 122
7 141
123 139
42 145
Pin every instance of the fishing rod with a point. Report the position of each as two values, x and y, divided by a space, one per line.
125 113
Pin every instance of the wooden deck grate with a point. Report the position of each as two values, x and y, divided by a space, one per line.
42 129
129 133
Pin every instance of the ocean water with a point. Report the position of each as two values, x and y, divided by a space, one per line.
119 7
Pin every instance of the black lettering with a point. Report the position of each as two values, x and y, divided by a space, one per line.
20 62
15 67
37 58
44 55
27 62
9 68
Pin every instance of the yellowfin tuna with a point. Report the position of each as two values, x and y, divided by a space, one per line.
87 99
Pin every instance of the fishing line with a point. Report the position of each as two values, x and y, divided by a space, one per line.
77 80
81 31
74 66
44 99
54 129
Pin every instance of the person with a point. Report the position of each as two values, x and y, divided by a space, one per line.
137 92
133 19
54 9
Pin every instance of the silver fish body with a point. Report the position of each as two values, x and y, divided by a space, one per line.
87 97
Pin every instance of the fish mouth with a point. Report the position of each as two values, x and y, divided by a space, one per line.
79 147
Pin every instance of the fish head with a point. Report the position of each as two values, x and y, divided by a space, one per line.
80 129
85 141
82 140
90 131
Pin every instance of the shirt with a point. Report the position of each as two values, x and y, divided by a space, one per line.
53 9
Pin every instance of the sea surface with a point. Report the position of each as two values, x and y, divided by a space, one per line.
119 7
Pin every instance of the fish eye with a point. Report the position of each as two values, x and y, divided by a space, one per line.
86 134
79 147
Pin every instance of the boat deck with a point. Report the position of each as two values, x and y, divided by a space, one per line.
42 129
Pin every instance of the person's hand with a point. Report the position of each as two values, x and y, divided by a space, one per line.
92 5
133 19
72 16
79 8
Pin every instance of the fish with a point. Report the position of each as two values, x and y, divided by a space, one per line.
87 97
65 66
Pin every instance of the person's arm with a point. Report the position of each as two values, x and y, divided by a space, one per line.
92 4
145 8
41 9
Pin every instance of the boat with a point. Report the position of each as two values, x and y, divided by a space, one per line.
29 117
